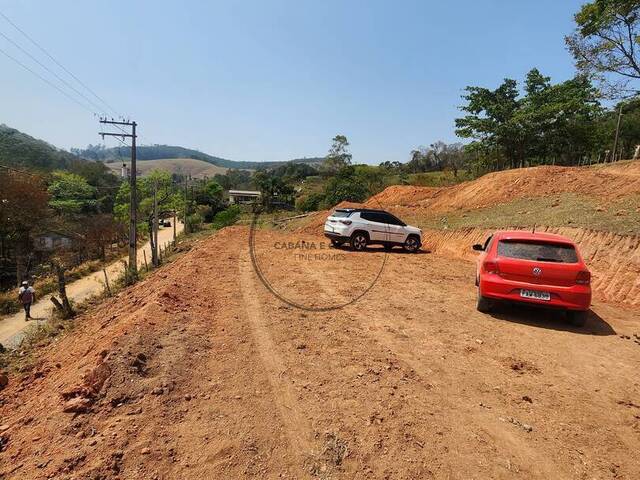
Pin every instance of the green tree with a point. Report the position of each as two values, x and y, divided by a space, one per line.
344 186
550 123
71 194
208 195
227 217
490 121
605 43
273 189
338 156
310 202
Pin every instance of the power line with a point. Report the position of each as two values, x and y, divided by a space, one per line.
49 82
80 82
42 49
91 102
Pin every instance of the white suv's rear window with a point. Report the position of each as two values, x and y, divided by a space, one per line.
538 251
341 214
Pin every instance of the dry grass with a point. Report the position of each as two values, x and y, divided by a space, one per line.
565 210
197 168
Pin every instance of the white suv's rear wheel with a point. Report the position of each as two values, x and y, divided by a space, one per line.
359 241
412 244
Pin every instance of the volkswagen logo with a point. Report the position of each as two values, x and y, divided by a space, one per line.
537 271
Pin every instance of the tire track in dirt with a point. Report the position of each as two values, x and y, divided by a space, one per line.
501 438
298 430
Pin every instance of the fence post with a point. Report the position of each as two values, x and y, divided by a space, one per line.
106 281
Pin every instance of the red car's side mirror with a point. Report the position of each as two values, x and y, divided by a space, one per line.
478 247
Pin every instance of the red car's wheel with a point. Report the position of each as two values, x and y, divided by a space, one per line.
483 304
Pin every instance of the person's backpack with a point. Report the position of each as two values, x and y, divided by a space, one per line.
26 296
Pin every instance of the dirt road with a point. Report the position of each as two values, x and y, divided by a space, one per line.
11 326
200 372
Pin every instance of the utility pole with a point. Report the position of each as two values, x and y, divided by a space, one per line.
615 143
154 231
133 199
175 218
186 204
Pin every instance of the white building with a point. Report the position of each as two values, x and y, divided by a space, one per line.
243 197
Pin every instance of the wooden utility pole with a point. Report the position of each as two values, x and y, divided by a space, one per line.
154 230
106 282
615 143
186 204
133 196
174 228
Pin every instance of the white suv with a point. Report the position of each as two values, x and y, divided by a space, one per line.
361 227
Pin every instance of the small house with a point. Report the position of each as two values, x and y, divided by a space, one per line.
52 241
243 197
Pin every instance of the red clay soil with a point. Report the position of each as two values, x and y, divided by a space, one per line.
199 372
614 260
604 183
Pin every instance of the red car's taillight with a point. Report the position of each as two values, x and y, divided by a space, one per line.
490 267
583 278
346 222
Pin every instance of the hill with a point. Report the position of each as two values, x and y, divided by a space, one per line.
599 207
602 197
189 166
20 150
161 152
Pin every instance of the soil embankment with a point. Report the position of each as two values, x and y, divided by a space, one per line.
200 372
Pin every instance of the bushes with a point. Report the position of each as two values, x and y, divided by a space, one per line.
346 185
227 217
310 203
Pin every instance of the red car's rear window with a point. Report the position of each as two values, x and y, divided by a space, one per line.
538 251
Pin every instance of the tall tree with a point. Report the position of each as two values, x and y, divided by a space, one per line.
605 44
550 123
338 156
23 210
490 120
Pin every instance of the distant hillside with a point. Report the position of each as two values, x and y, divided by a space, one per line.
160 152
188 166
20 150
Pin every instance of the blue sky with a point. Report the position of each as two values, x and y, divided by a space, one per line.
276 79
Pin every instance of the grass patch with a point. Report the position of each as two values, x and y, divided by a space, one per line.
565 210
439 179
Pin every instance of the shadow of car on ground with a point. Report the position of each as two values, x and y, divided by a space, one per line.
553 319
381 249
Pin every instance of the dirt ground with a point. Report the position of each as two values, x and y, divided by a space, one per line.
200 372
12 326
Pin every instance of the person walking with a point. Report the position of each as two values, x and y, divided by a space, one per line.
26 295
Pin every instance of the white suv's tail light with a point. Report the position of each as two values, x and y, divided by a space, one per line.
346 222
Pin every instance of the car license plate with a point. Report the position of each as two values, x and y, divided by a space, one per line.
535 294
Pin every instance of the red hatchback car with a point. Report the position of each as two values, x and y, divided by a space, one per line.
534 268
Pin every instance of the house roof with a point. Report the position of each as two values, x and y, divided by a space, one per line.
243 192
